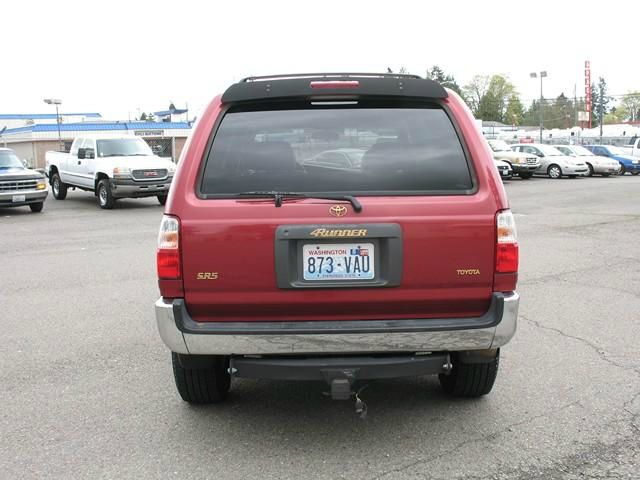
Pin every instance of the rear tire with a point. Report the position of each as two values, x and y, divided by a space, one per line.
635 173
202 385
36 207
105 197
162 199
59 189
470 380
525 176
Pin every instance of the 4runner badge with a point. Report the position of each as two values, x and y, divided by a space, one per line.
338 210
341 232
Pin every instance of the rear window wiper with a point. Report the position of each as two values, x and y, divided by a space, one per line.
279 196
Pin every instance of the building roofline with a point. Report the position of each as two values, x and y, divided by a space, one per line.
45 116
91 126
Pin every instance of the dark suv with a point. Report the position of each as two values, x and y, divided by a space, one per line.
277 261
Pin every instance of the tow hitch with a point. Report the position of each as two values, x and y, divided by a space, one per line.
341 373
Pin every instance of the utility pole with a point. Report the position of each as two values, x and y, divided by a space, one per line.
575 105
543 74
600 115
56 102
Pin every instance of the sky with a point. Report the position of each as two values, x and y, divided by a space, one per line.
120 58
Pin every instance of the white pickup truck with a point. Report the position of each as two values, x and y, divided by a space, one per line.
111 167
632 147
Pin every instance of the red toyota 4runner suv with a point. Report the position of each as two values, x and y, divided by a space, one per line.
340 228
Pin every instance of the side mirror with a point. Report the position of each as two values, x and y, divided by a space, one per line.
540 154
82 153
89 153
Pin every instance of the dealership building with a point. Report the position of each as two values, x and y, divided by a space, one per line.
31 135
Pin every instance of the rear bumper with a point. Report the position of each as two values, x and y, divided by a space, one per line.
183 335
134 189
30 196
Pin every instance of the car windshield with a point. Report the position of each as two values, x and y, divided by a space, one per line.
581 151
616 151
8 159
499 146
391 150
122 147
549 151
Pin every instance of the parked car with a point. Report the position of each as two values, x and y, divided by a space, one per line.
595 163
20 186
632 147
523 165
553 162
504 169
627 162
111 167
405 266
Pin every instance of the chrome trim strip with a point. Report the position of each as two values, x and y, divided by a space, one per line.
447 340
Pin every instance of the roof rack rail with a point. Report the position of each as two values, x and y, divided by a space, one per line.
291 76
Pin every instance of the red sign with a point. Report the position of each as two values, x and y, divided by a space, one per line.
587 89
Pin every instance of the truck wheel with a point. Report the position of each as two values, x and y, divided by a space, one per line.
554 171
525 176
36 207
59 188
105 197
202 385
470 379
162 199
635 173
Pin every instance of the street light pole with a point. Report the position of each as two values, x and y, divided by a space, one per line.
56 102
542 74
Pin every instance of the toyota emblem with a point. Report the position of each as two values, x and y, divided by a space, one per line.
338 210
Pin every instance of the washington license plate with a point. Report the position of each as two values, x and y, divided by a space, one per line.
338 261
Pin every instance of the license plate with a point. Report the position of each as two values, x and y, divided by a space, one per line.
338 261
505 173
18 198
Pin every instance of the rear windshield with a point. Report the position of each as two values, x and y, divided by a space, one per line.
381 150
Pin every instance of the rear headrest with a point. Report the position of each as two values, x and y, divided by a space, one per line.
267 157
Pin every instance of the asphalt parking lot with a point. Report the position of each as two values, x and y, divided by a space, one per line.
86 389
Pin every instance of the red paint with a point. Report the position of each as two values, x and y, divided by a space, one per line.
441 234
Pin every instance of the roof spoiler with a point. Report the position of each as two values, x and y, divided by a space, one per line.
322 85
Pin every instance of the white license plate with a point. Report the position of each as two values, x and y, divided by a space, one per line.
18 198
338 261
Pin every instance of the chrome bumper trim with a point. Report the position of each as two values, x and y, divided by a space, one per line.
287 343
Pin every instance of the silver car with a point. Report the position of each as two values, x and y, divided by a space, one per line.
595 163
553 162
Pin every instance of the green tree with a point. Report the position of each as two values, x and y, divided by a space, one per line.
446 80
492 105
475 90
598 93
631 103
515 110
143 117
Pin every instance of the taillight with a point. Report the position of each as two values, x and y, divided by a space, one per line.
168 256
335 84
506 243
